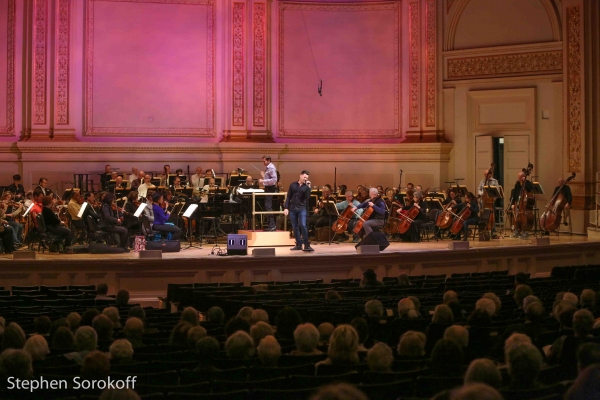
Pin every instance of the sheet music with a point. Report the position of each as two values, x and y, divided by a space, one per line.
190 210
246 191
82 209
29 209
138 212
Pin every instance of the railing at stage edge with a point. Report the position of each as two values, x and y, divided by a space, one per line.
254 212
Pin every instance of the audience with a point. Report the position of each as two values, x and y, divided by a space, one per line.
86 340
239 346
113 315
133 332
207 349
268 351
446 359
37 347
16 363
306 338
380 358
121 351
524 362
343 347
122 298
411 346
483 370
259 331
63 340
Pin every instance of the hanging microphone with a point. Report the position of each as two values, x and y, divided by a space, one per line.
320 88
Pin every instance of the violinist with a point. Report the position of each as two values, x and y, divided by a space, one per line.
73 207
471 202
341 206
110 223
7 237
92 206
413 234
296 206
377 218
361 194
161 218
149 210
521 181
16 188
9 211
320 217
53 224
131 222
37 201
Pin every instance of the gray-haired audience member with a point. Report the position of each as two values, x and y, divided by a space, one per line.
380 358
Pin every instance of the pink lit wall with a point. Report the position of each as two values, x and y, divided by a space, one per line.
3 63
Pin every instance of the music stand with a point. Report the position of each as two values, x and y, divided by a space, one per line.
155 181
188 214
460 190
28 209
537 188
82 210
433 203
494 192
330 210
236 180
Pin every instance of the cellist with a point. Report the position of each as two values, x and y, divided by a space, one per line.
451 203
341 206
471 202
521 180
377 218
414 233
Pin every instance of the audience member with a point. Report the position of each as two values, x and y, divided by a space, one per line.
87 317
86 340
483 370
332 295
122 298
73 320
95 366
63 340
42 325
215 315
37 347
380 358
343 347
190 315
194 334
412 346
245 313
259 315
133 331
236 324
524 363
179 334
325 330
486 305
268 351
286 322
441 320
239 346
588 354
121 351
369 279
374 309
306 338
104 330
102 292
259 331
16 363
113 315
586 386
446 359
361 327
13 337
207 349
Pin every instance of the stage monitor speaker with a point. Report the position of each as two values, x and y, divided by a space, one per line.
24 255
263 252
544 241
150 254
237 244
374 238
458 245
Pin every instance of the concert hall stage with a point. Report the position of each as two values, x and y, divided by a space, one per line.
148 278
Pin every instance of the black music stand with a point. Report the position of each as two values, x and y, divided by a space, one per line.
237 180
433 203
460 190
330 210
537 188
189 212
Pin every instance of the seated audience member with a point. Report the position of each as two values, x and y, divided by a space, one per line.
441 320
586 386
95 366
374 309
411 346
195 334
137 312
306 338
571 298
524 363
495 299
403 280
286 322
521 292
406 309
104 330
486 305
446 359
16 363
339 391
122 298
475 391
112 313
268 351
179 334
133 332
325 330
332 295
460 335
207 350
87 317
361 327
236 324
369 280
380 358
343 347
121 352
73 320
190 315
37 347
417 304
588 354
239 346
483 370
259 315
215 315
102 292
63 341
42 325
245 313
259 331
587 300
564 349
14 337
86 340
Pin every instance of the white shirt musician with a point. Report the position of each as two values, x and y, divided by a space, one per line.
488 180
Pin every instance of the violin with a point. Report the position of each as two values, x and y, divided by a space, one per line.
341 225
550 219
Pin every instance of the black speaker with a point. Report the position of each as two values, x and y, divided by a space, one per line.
237 245
374 238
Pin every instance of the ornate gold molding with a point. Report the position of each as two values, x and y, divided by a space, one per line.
430 12
9 129
208 131
414 65
573 86
238 69
531 63
259 37
40 35
63 20
336 134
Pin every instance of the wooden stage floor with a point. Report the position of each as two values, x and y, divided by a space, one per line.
321 249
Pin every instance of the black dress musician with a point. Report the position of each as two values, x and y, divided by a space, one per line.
110 223
320 218
473 204
413 234
456 205
53 224
16 188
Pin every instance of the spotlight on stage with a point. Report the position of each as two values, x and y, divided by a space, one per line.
237 245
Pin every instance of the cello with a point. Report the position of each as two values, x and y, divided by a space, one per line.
361 219
524 218
343 219
459 222
550 219
444 219
407 218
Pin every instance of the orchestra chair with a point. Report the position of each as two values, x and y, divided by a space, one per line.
482 225
43 237
428 227
566 220
146 227
95 234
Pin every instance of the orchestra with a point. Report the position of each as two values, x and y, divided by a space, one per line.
399 211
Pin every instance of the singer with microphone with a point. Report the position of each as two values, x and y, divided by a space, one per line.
296 206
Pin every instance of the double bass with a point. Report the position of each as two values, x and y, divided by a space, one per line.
550 219
487 202
524 217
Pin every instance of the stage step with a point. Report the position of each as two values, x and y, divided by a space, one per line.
268 239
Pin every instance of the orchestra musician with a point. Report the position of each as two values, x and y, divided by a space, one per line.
106 176
521 180
134 175
143 188
9 212
119 184
361 194
73 208
320 217
110 223
488 180
161 217
149 210
453 203
53 224
296 205
197 178
414 232
16 188
341 206
377 218
37 201
42 185
472 203
131 222
90 209
248 183
566 191
135 184
269 181
164 177
7 237
177 184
